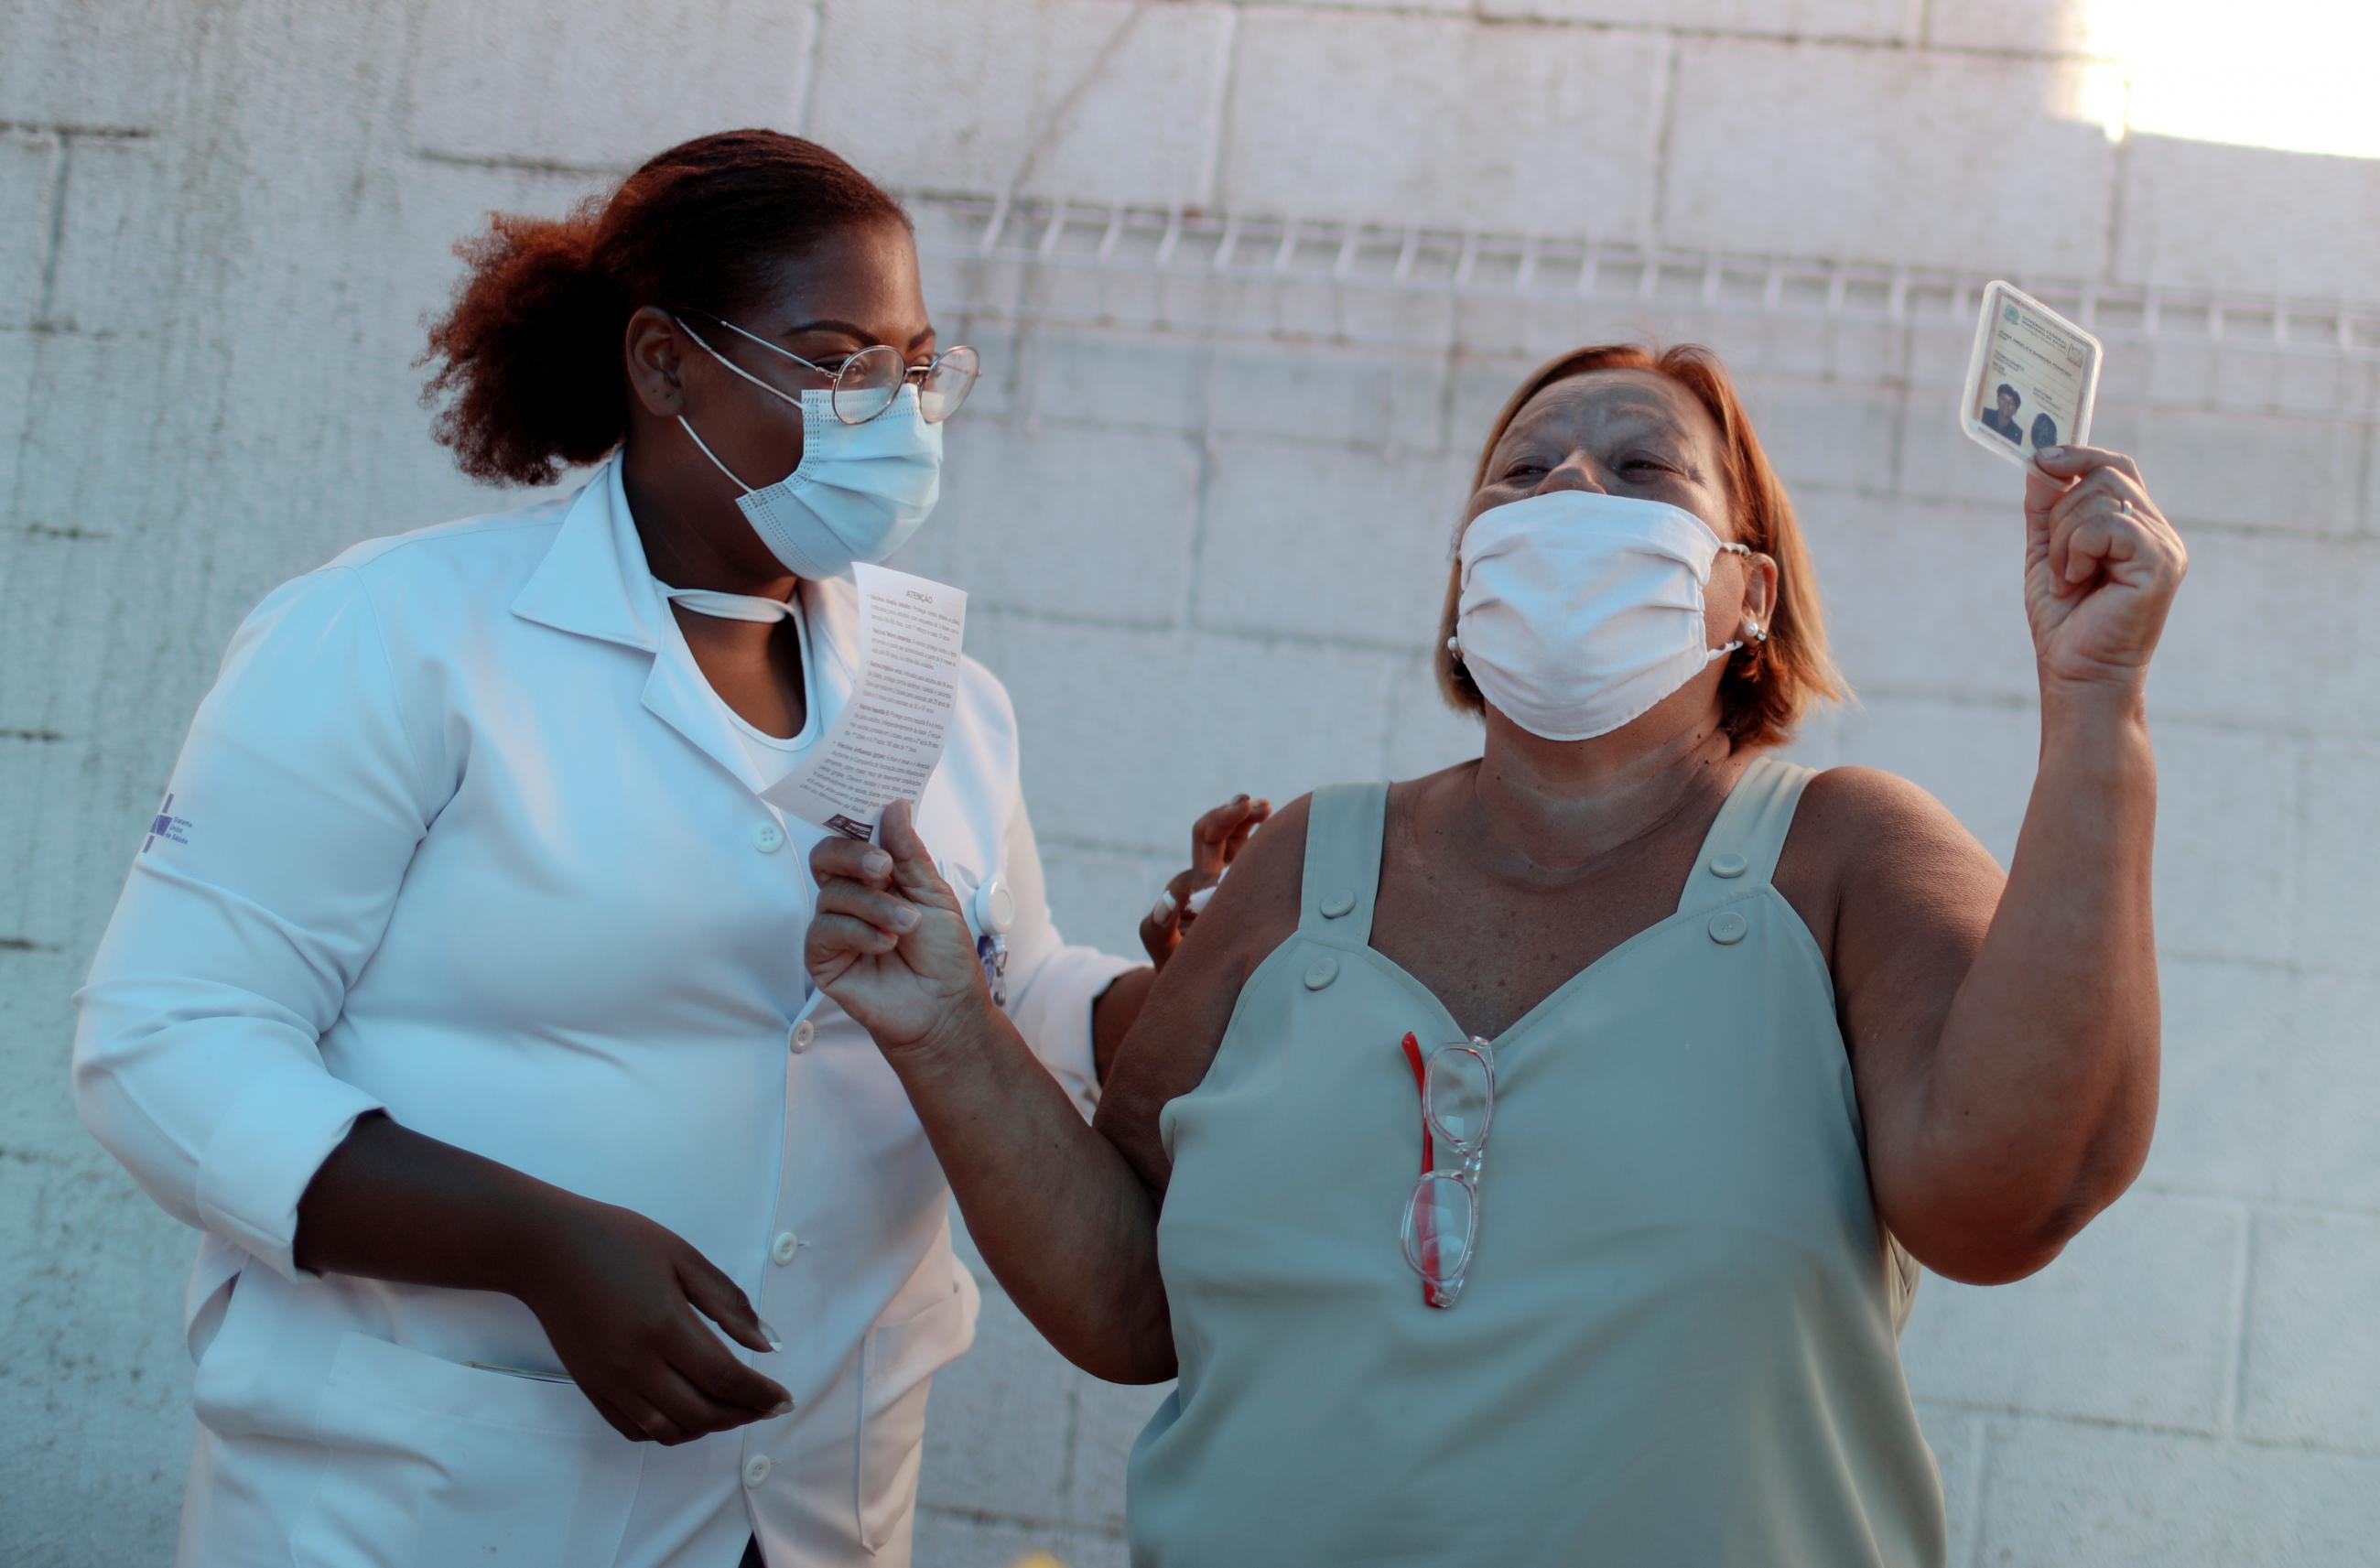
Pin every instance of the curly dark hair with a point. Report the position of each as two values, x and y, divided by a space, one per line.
528 352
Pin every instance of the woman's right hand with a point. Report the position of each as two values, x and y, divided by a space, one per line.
890 944
624 1300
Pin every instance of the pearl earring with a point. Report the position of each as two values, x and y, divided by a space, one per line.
1753 630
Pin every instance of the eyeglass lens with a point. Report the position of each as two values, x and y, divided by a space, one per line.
1460 1096
1439 1228
947 384
868 383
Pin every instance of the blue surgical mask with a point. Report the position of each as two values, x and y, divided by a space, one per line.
859 491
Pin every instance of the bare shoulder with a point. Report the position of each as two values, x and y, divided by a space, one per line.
1864 821
1175 1040
1886 877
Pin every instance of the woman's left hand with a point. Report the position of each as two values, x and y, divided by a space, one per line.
1216 839
888 943
2101 564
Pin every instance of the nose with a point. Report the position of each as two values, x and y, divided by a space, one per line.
1577 471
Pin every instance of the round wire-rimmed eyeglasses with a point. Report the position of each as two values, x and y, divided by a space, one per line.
1440 1231
866 384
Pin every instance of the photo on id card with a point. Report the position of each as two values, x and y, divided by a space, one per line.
2031 379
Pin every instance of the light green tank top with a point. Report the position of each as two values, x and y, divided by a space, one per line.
1677 1342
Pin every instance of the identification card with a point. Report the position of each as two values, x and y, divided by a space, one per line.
2031 379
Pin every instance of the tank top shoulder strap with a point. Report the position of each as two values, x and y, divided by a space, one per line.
1343 827
1740 852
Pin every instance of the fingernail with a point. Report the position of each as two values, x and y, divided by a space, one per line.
2053 453
1162 910
878 865
905 918
1239 800
776 1341
1200 899
785 1407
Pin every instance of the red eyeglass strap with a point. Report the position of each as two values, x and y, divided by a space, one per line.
1425 1226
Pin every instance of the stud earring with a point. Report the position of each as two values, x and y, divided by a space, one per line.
1753 629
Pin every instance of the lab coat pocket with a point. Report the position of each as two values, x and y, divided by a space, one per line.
897 1362
436 1463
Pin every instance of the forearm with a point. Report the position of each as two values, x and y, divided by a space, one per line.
393 1204
1064 1222
1113 1013
2042 1091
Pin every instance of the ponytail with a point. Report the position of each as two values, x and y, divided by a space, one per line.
531 352
528 355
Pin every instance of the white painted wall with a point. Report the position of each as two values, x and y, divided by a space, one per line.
1205 543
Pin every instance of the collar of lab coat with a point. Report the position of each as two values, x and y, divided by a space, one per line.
596 582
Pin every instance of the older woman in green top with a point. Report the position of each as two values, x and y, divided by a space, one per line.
1646 1051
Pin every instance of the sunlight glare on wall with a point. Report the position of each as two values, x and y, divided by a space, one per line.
2290 75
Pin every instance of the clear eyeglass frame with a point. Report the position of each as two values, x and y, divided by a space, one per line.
1458 1108
866 384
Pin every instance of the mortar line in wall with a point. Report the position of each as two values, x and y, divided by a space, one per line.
1028 1521
808 83
1988 1442
2120 166
1908 45
2367 498
1220 150
2235 1393
76 128
2300 812
1202 489
519 165
1120 850
63 163
1074 1441
1658 221
1986 1409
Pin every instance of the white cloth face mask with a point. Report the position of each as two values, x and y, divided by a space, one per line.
859 491
1579 610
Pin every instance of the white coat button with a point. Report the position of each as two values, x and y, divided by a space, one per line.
768 838
1727 865
804 1033
782 1250
1728 926
1338 903
756 1469
1320 973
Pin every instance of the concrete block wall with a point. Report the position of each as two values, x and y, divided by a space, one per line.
1208 557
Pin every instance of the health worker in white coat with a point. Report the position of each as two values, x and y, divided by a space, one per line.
457 993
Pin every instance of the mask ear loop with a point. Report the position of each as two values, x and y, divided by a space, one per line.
715 463
740 371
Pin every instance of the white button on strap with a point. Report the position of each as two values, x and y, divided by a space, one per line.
1727 928
768 838
1321 972
1338 903
756 1470
782 1250
1729 865
804 1033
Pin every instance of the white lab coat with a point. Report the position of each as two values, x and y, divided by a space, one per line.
463 835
